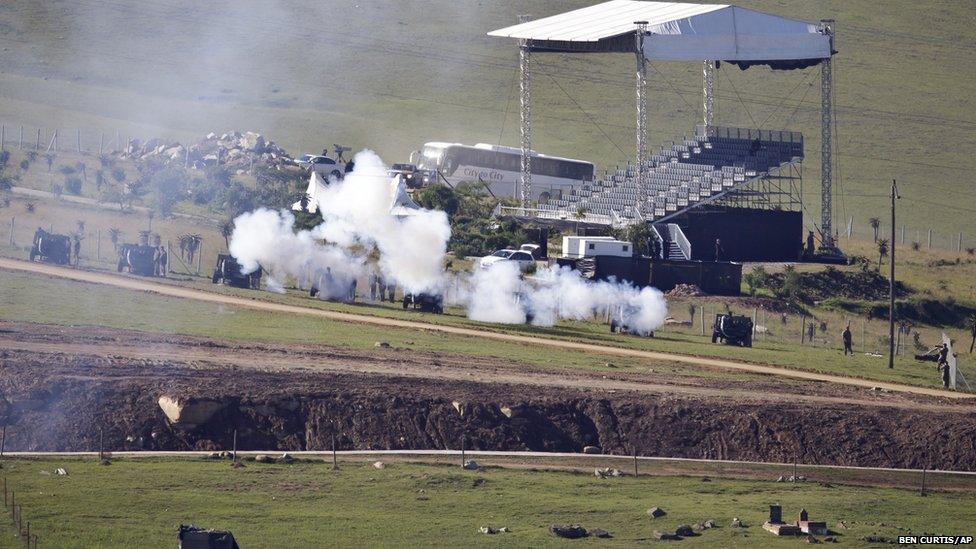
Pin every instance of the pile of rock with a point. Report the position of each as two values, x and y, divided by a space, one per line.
235 150
685 290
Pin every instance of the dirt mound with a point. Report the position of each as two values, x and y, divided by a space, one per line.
685 290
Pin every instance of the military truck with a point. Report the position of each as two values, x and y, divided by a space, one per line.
51 248
228 271
732 330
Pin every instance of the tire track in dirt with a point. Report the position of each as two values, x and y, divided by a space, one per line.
200 295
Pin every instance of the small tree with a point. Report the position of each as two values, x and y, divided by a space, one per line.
115 235
24 165
57 190
226 229
882 251
580 215
875 224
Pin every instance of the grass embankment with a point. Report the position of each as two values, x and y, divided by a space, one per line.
306 504
48 300
68 69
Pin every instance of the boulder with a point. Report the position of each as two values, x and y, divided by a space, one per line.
252 142
188 413
568 531
592 450
708 524
264 458
286 458
736 523
470 465
379 465
656 512
684 531
665 536
382 344
600 533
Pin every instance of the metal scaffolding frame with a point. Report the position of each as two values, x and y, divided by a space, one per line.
641 83
826 144
780 189
708 93
525 120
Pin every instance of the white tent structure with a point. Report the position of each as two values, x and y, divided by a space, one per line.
314 192
401 204
672 31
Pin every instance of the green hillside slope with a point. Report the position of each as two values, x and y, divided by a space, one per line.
392 75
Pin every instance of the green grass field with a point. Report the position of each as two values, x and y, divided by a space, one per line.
42 299
306 504
393 76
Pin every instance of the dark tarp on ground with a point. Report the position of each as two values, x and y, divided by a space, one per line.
194 537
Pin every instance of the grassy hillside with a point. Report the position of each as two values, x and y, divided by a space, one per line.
392 75
306 504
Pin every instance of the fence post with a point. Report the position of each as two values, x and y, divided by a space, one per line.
335 461
235 446
959 248
803 327
37 144
462 450
20 144
3 136
13 226
98 244
902 234
101 142
635 461
78 139
702 312
199 258
930 239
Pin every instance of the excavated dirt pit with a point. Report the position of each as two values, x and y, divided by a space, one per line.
61 387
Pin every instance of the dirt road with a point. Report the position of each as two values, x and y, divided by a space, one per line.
199 295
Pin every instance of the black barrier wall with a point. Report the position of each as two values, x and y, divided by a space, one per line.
746 234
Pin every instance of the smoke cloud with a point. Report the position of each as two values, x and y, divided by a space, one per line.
356 218
498 294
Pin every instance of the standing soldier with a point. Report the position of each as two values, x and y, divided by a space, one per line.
848 340
944 364
161 259
718 249
391 291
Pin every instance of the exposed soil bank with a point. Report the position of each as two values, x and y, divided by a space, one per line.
62 402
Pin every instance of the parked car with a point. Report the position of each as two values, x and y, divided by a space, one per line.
304 160
326 166
524 259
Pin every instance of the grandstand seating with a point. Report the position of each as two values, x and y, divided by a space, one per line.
682 175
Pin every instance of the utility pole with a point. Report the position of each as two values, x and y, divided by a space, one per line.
891 281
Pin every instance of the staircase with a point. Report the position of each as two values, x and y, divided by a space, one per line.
675 244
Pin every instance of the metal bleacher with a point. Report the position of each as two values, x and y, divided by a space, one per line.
684 174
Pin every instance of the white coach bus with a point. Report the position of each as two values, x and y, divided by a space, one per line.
499 168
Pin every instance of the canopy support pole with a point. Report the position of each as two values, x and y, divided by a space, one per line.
826 138
641 83
525 122
708 93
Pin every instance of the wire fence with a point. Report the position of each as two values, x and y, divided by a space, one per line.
918 238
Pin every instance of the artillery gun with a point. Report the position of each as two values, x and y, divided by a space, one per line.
228 271
428 303
51 248
140 259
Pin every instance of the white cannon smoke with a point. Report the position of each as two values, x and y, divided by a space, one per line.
498 294
356 217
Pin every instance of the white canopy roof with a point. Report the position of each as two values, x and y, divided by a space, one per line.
677 32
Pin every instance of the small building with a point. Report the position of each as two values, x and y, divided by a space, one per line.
576 247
